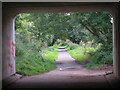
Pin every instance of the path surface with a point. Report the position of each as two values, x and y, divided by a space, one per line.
68 73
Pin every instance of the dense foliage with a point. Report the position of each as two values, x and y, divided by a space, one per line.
72 26
30 61
87 30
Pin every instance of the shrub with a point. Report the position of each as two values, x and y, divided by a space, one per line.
33 58
60 42
90 49
98 55
19 52
73 46
103 55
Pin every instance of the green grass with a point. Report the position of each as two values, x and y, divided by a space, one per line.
79 55
31 63
51 56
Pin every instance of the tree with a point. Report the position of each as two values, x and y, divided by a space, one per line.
73 26
98 24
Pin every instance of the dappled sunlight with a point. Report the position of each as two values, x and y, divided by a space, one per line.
86 36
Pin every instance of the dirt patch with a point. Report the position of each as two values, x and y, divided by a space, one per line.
85 61
106 67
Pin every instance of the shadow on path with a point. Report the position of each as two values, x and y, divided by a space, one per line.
68 74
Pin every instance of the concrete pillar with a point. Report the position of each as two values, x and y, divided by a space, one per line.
8 43
0 44
116 43
118 40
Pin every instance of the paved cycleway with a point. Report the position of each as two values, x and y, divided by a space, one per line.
68 74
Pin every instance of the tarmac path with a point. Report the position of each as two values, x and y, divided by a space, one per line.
68 74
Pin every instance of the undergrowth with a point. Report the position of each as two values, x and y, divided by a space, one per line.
29 61
98 56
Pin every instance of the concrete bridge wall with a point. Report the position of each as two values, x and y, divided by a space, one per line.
10 10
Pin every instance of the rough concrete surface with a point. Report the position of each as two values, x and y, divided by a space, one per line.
68 74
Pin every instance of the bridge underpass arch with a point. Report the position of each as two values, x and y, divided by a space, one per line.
10 11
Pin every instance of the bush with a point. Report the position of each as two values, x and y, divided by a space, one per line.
90 49
60 42
72 46
29 61
98 55
103 55
19 52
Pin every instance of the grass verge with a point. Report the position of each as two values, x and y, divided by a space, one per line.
80 55
36 62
